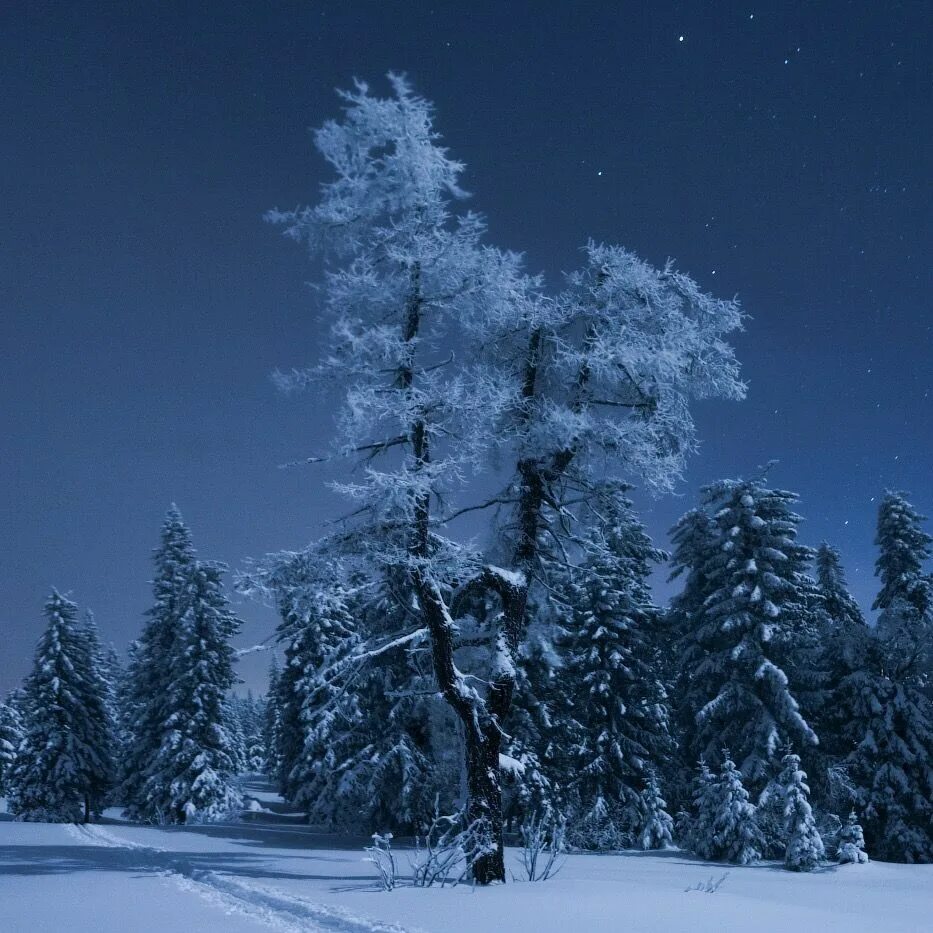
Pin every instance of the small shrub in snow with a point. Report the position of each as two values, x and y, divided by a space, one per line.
708 887
544 847
381 855
446 852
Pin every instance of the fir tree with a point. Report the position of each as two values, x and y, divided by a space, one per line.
699 826
838 603
694 540
851 843
903 547
728 817
804 845
11 737
843 654
147 692
251 713
64 752
99 702
758 603
191 777
270 723
614 721
656 826
890 764
891 727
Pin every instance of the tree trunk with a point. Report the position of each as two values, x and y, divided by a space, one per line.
484 811
87 808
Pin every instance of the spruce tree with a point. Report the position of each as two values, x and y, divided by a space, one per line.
758 605
903 547
270 726
698 825
851 843
11 737
726 817
891 729
891 765
614 720
65 754
694 539
657 826
838 603
191 776
99 702
147 693
251 714
804 845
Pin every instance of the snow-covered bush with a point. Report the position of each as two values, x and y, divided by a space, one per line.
851 848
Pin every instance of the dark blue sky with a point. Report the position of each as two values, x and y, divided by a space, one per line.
780 151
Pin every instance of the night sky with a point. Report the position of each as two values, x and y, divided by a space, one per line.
778 151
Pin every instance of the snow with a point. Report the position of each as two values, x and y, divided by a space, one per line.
262 875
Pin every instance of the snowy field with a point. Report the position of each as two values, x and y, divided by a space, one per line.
271 872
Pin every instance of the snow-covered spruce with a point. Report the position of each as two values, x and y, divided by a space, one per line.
191 777
804 846
756 603
11 737
851 849
903 548
250 713
843 653
611 704
725 829
890 729
657 826
65 762
146 699
360 741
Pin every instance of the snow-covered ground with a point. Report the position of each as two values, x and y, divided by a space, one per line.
271 872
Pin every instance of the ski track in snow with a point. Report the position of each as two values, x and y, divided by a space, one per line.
280 911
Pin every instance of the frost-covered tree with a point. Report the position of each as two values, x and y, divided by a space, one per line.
11 737
725 829
851 848
558 386
804 846
657 826
146 699
756 607
65 754
191 776
613 718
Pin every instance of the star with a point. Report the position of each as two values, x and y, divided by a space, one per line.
680 38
